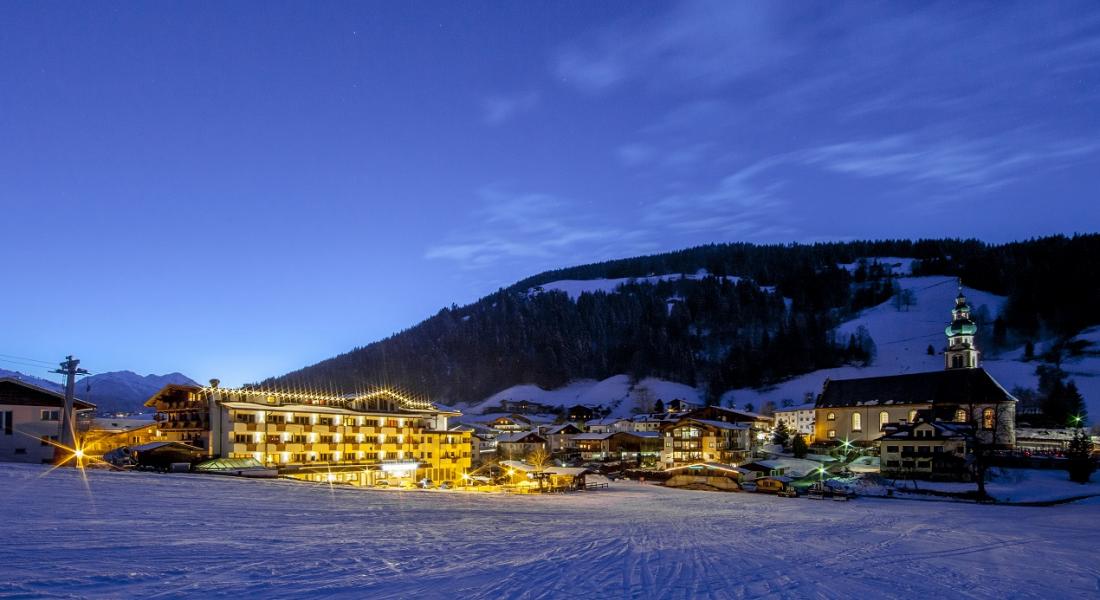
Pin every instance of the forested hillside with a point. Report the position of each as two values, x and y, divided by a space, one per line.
716 331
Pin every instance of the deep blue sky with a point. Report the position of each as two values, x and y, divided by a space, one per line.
239 189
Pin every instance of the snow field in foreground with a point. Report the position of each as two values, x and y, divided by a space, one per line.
170 536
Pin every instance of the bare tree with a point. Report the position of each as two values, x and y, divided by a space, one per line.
539 459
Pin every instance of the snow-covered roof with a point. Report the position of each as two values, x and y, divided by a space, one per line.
572 471
77 402
517 437
717 466
517 465
119 425
806 406
594 436
556 429
722 424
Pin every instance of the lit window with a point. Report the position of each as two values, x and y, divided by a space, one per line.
883 419
960 416
857 422
912 415
832 434
987 418
831 416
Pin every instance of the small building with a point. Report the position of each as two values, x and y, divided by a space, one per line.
710 474
30 420
579 413
691 440
559 438
100 435
680 405
797 419
566 478
618 446
926 450
519 444
162 455
512 422
610 425
1044 439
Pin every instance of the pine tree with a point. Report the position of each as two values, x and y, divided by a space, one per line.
781 435
659 406
1080 465
931 351
798 446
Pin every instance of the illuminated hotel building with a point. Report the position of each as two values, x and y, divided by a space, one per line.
362 439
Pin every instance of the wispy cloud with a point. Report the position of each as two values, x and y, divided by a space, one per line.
537 227
500 109
743 205
707 42
984 163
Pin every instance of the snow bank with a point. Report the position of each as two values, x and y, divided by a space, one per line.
187 536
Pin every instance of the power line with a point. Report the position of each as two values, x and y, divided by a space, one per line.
34 360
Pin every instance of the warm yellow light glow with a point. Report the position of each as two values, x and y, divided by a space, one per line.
78 453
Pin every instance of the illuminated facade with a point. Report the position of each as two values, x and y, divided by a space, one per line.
861 410
30 420
366 439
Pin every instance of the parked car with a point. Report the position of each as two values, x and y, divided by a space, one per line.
446 485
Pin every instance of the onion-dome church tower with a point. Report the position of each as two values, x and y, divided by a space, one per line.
961 352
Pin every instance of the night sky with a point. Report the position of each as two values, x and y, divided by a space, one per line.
236 190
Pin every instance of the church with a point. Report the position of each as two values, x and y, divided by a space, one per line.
861 410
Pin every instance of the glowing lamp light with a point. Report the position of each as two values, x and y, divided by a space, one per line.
78 453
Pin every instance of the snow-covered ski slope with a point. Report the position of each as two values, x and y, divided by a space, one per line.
143 535
902 338
615 393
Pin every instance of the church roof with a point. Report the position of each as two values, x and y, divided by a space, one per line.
953 386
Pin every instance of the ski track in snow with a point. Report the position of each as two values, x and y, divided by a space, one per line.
173 536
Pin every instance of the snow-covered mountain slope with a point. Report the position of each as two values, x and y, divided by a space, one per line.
124 391
40 382
575 287
114 391
901 337
615 393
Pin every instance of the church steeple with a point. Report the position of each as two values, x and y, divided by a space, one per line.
961 352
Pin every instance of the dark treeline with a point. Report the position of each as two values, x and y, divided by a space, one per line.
710 332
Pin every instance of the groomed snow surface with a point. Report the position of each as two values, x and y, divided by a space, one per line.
170 536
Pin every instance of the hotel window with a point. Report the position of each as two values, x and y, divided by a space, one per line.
276 419
883 419
51 415
830 417
987 418
857 422
7 422
242 438
960 416
912 415
324 420
301 419
832 434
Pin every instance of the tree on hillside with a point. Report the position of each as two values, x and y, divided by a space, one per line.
659 406
781 435
1080 463
798 446
931 351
